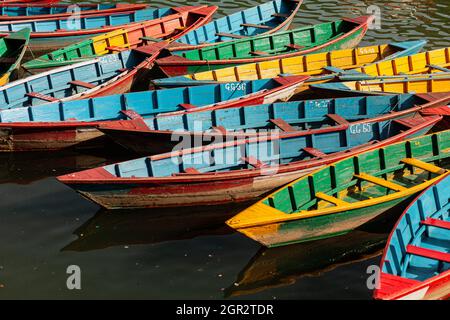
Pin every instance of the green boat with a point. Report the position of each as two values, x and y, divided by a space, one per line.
347 194
12 50
340 34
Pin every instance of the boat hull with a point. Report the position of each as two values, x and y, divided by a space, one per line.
208 191
132 196
311 229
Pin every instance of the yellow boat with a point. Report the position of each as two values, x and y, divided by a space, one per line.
323 66
428 83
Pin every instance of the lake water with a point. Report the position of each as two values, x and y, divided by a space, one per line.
178 253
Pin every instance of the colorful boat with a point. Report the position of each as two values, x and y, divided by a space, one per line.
340 34
156 134
269 17
65 124
18 11
347 194
427 83
321 67
12 50
416 260
420 63
84 79
128 37
48 35
232 171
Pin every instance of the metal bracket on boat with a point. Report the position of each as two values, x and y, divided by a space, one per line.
432 66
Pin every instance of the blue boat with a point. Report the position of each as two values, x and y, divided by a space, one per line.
17 11
84 79
234 171
78 119
321 67
269 17
49 35
156 134
416 261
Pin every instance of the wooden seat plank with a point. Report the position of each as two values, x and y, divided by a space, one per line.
191 171
283 125
380 182
423 165
428 253
436 223
314 152
330 199
83 84
41 96
230 35
337 118
187 106
252 25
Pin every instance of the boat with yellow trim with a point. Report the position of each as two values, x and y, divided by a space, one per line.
427 83
420 63
347 194
324 66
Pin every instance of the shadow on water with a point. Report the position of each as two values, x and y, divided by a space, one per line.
149 226
26 168
284 266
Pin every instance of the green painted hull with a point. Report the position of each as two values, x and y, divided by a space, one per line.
323 227
341 34
347 194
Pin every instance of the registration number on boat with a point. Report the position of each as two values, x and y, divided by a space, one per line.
361 128
239 86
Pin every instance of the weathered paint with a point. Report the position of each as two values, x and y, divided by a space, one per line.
175 188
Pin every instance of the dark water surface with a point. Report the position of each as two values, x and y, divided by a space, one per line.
168 254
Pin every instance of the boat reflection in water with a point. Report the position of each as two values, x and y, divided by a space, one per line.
26 168
283 266
150 226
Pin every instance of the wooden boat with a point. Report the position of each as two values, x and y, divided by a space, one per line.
347 194
428 83
162 133
321 67
64 124
416 260
12 50
128 37
269 17
419 63
82 80
232 171
18 11
341 34
279 267
48 35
